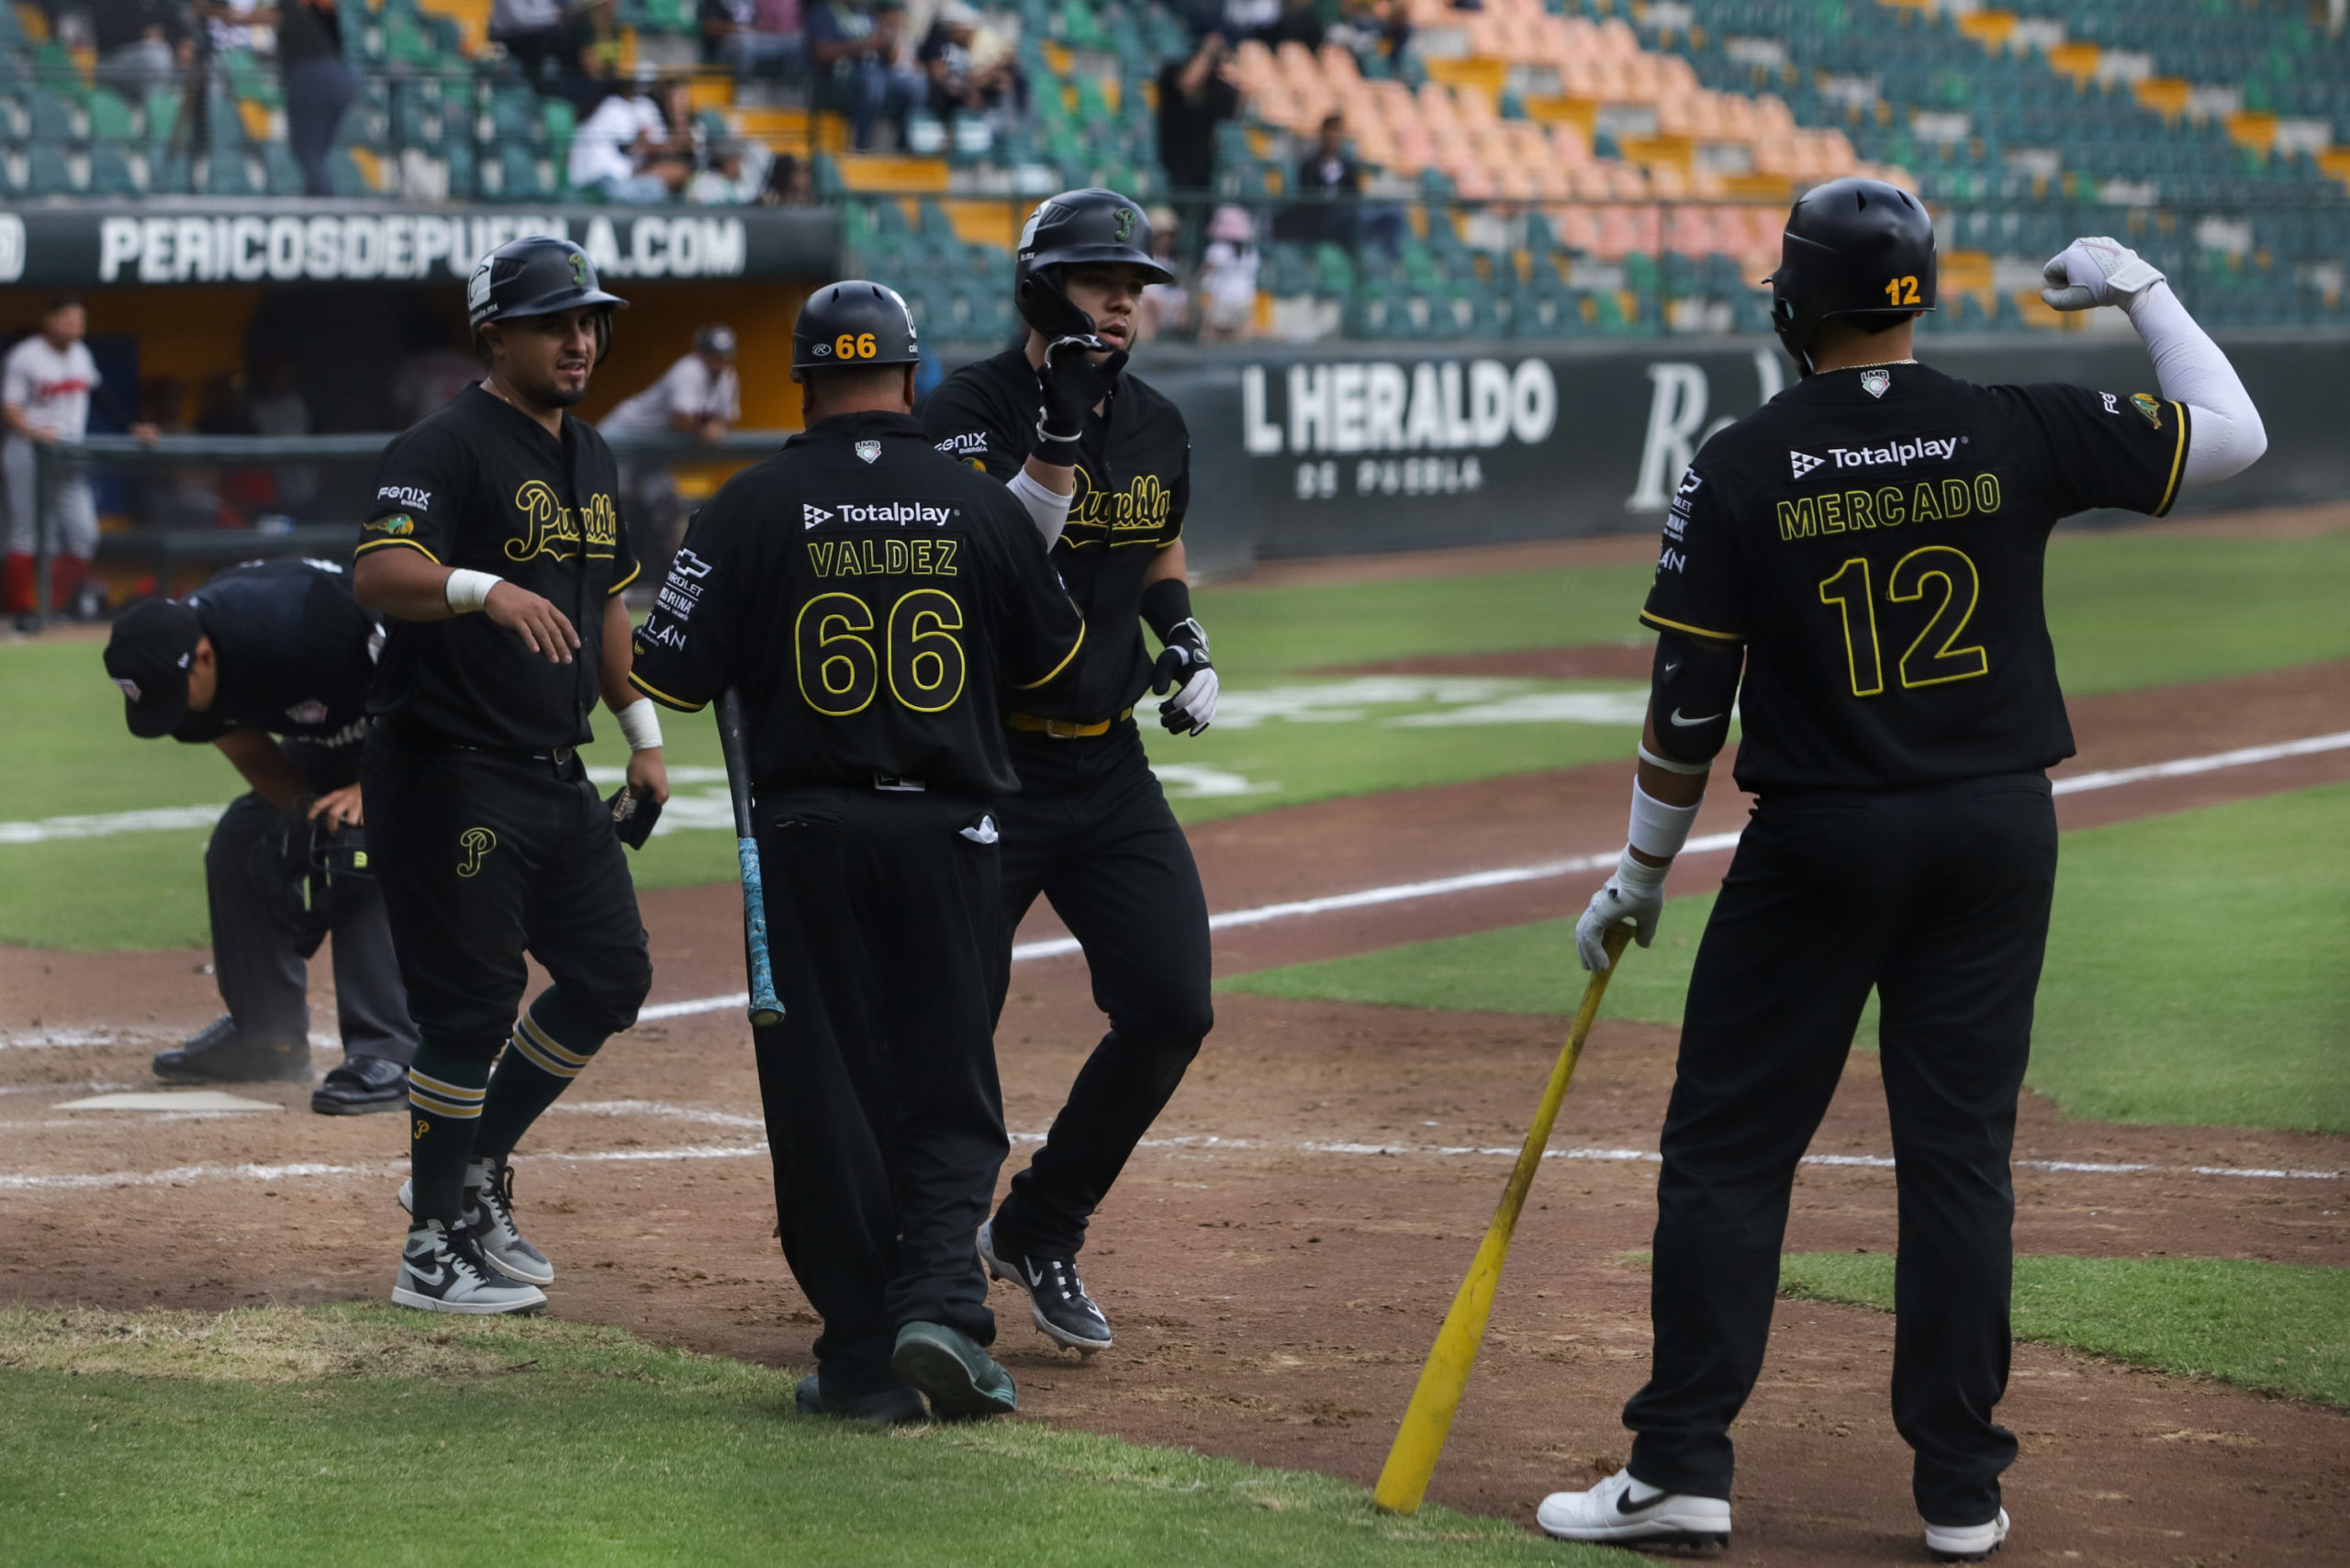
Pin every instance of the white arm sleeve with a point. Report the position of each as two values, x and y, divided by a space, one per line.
2224 432
1049 511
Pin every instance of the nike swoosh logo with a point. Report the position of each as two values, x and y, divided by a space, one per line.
1624 1504
1036 1275
1685 723
433 1278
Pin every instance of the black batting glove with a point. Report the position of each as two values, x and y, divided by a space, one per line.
1184 666
1069 383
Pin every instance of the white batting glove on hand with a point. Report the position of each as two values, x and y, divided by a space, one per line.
2096 270
1635 893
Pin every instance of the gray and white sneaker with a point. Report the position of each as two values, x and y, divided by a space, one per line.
445 1272
489 1214
1967 1543
1057 1303
1625 1511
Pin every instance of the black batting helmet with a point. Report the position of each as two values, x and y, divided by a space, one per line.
1853 247
1092 226
854 324
538 275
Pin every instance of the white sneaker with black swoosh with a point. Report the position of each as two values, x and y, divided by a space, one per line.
445 1273
1967 1543
1624 1510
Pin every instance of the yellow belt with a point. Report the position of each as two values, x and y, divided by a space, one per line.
1065 729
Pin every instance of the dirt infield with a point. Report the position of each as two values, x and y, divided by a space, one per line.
1280 1254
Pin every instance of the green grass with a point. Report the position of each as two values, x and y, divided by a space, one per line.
2272 1327
2197 970
357 1434
2128 611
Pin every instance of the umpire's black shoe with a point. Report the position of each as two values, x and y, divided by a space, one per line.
964 1383
360 1085
221 1053
898 1407
1057 1303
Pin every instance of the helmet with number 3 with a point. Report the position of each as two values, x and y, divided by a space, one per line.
1852 247
851 325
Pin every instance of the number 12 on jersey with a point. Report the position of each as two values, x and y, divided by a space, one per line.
1933 657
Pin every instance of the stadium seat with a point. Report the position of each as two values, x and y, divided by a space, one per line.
115 173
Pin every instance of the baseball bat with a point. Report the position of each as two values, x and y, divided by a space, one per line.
766 1011
1404 1479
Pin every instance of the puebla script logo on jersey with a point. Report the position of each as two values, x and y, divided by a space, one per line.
405 495
1143 508
883 557
1890 506
550 528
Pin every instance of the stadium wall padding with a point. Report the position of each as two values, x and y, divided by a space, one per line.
1364 447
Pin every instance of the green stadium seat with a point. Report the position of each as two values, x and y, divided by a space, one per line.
111 119
114 173
277 162
57 121
48 172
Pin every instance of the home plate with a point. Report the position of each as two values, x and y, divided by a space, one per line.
169 1100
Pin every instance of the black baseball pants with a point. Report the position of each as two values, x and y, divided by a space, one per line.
484 856
262 962
1939 898
1090 830
884 1117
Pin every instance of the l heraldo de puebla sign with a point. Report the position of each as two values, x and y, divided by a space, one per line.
181 242
1457 445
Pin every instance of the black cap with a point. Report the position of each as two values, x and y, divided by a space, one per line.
148 656
1852 247
852 324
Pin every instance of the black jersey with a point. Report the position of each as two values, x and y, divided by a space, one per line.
480 485
874 600
1875 539
1133 483
295 654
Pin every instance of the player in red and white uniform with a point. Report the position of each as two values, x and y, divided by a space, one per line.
45 387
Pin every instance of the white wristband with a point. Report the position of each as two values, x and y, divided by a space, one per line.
1657 830
468 590
640 722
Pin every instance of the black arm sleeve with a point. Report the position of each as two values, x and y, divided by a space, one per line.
1691 689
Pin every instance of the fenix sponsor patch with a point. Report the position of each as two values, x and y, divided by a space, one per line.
405 495
967 444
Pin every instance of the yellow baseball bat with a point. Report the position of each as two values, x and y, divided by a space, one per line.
1404 1479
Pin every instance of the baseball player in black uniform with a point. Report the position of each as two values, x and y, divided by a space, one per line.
874 603
497 548
1868 548
271 662
1100 462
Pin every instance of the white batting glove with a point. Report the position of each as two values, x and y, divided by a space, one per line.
1192 709
2096 270
1635 893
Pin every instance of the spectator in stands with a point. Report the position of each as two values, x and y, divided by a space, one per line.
141 44
698 397
625 150
597 48
1371 29
1328 174
853 70
677 150
46 385
736 176
1228 276
756 38
318 86
536 36
959 83
1193 95
790 182
1166 307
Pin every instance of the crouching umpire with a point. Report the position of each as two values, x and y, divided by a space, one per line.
872 599
271 662
1901 710
1101 463
496 547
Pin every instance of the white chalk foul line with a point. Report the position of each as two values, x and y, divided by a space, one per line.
187 1175
1472 881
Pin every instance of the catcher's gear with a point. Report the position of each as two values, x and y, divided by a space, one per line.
1852 247
854 324
1183 664
2096 270
1092 226
539 275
